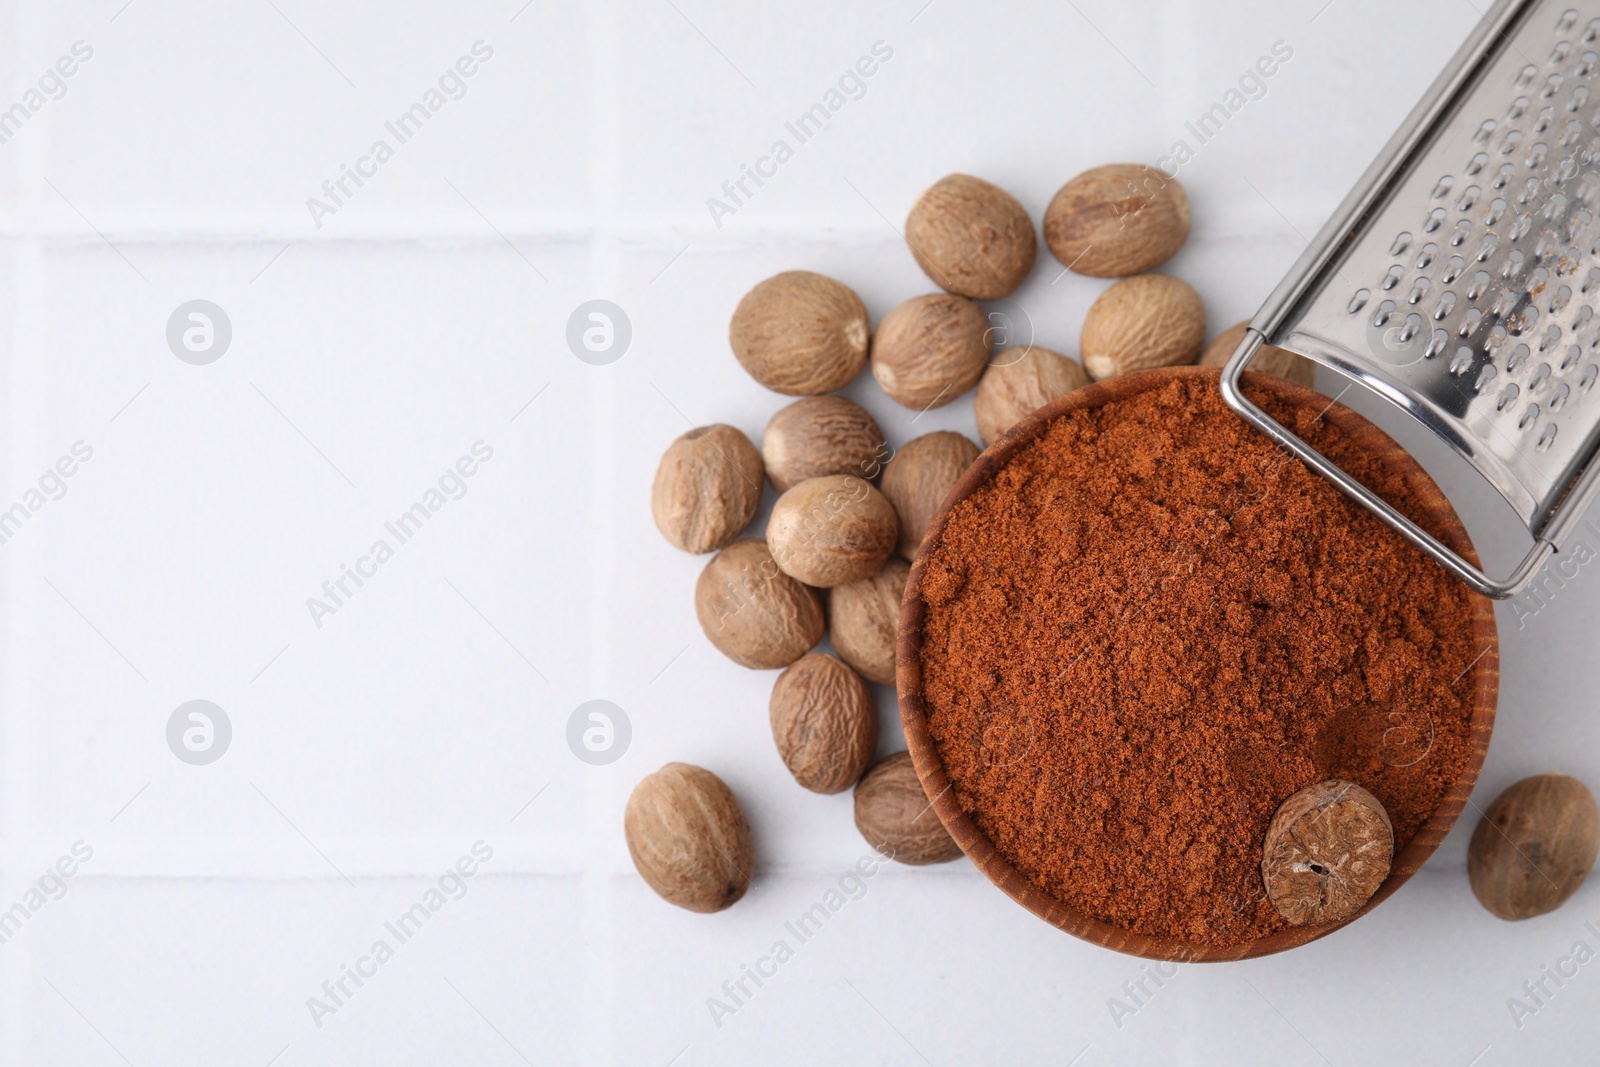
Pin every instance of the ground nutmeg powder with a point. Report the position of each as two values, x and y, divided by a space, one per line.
1152 626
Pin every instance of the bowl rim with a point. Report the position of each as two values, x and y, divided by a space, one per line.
1436 511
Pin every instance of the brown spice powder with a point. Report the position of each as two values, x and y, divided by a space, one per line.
1152 626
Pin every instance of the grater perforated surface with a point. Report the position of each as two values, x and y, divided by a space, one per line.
1470 294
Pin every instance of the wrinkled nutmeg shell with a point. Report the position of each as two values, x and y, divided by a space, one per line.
689 838
1019 382
894 815
1534 846
801 333
707 488
754 613
1117 220
1139 323
930 350
824 722
821 435
919 477
1327 851
830 530
1269 359
864 620
971 237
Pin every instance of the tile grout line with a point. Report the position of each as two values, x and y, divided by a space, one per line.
649 233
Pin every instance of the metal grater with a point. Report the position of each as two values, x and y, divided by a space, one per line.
1460 279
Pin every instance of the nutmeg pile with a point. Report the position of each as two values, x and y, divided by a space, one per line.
851 512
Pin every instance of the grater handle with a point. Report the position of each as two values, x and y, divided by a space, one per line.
1499 589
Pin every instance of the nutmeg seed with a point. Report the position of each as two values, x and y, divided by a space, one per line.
1534 846
1269 359
1019 382
801 333
1117 220
971 237
930 350
918 478
689 838
825 723
707 488
1139 323
894 815
755 614
821 435
864 620
1327 851
830 530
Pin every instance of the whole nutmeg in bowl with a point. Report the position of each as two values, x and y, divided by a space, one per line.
755 614
930 350
893 814
971 237
1019 382
689 838
831 530
824 722
821 435
1269 359
920 476
707 488
801 333
1140 323
864 620
1534 846
1328 849
1117 220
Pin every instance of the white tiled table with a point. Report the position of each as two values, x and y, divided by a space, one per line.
368 354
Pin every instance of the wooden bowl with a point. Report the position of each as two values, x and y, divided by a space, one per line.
1438 515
